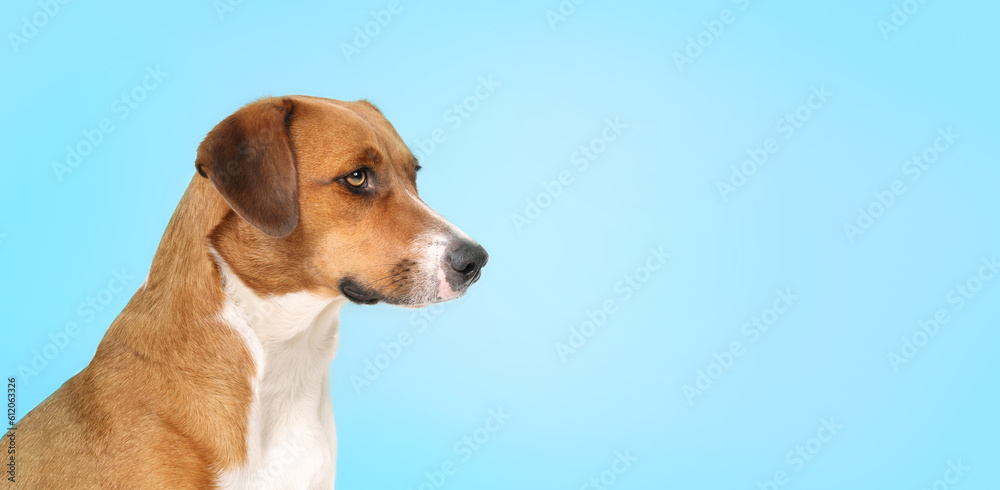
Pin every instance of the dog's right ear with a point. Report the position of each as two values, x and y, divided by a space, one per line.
248 157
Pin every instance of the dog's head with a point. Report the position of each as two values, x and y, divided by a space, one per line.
324 195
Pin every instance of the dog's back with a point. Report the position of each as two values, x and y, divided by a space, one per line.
163 402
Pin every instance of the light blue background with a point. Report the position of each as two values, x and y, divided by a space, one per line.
654 186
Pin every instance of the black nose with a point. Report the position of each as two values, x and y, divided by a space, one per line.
468 259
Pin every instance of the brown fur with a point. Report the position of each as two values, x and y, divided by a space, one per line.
164 402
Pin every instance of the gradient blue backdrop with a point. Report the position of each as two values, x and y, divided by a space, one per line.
655 185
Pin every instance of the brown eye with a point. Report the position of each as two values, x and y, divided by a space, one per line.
357 178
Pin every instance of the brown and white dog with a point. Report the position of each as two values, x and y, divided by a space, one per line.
215 375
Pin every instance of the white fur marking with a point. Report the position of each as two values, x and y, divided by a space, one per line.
291 438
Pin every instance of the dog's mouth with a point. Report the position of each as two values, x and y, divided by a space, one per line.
358 293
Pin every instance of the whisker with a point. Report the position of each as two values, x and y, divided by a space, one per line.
394 274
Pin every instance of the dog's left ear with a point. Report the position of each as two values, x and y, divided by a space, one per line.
248 158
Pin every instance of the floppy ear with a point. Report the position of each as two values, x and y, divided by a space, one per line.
248 158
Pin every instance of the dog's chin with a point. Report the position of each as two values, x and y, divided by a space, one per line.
363 295
420 302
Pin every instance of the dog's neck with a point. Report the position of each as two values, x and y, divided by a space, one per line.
292 338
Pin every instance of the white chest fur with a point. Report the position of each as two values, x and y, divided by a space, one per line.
291 439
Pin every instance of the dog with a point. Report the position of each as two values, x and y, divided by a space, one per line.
215 374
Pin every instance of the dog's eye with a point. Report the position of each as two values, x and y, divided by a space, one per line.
357 178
